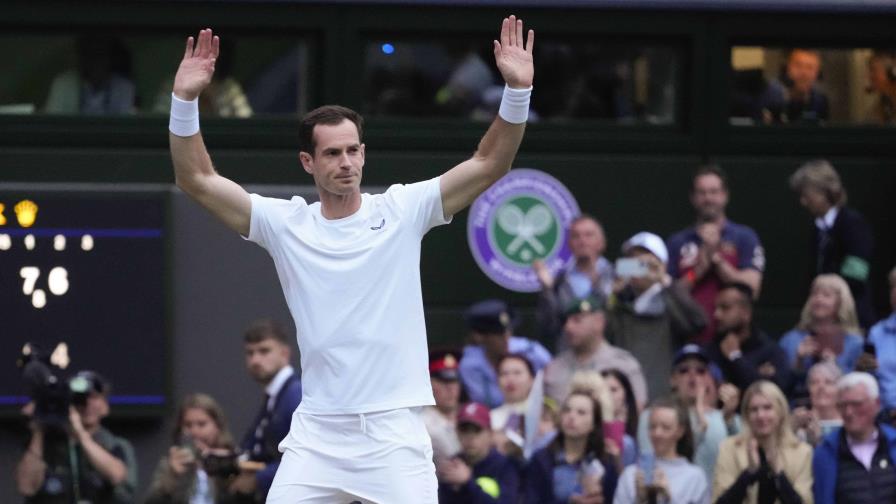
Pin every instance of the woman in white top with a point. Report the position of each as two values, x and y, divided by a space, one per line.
515 378
667 476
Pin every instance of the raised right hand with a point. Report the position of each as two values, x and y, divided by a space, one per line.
180 459
196 69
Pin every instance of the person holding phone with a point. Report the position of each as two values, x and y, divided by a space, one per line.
667 474
828 330
575 468
765 463
650 315
180 476
516 375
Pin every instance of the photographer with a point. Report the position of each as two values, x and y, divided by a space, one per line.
187 474
650 315
78 460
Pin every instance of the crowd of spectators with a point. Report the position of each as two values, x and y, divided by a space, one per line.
648 380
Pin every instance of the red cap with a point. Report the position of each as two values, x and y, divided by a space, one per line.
476 414
443 365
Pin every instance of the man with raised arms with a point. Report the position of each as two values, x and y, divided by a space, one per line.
347 268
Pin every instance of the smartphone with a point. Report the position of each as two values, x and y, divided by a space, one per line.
630 267
647 462
615 430
868 348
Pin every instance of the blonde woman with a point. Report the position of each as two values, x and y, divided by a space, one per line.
765 463
828 330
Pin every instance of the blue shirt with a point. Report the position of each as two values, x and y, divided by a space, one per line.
883 335
481 380
852 349
736 239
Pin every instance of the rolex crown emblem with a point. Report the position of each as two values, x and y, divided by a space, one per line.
26 213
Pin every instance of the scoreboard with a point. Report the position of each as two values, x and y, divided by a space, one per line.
86 265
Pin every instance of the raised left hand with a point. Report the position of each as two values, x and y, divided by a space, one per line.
513 55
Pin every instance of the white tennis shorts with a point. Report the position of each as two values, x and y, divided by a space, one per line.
383 457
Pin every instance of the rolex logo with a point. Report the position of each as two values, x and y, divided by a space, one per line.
26 213
2 217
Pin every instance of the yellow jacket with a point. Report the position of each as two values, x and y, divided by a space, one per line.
794 456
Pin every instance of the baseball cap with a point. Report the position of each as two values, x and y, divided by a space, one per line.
84 382
589 304
476 414
490 316
690 350
649 242
443 364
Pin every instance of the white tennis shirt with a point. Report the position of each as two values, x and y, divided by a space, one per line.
353 288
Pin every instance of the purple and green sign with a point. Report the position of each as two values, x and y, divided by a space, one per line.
522 217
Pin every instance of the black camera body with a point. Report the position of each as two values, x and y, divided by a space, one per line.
47 386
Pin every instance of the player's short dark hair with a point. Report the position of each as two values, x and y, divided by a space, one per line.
263 329
710 169
329 115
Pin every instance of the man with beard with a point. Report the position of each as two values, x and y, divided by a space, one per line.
715 250
267 360
743 352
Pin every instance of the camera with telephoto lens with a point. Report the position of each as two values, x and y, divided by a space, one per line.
50 389
217 463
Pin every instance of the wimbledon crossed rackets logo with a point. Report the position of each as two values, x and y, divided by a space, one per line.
521 218
524 235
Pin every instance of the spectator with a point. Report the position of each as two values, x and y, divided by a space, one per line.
590 275
882 81
588 350
441 419
625 407
883 337
515 378
267 360
100 85
691 381
618 444
742 351
841 241
765 463
491 325
674 477
796 97
715 251
480 474
649 315
575 467
855 464
828 330
78 460
812 424
181 477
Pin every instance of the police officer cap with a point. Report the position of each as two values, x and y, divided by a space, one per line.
490 316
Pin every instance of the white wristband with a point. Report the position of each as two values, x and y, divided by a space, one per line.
515 105
184 120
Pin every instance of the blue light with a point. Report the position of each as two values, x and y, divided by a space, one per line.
388 48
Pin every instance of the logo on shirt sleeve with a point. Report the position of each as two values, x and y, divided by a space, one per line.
759 258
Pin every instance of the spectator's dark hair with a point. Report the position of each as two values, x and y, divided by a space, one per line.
586 217
519 357
631 420
745 290
211 408
685 445
594 447
263 329
710 169
807 50
329 115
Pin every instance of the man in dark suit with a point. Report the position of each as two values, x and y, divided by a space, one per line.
841 238
267 360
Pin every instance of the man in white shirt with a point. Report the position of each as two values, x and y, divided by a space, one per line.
348 266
